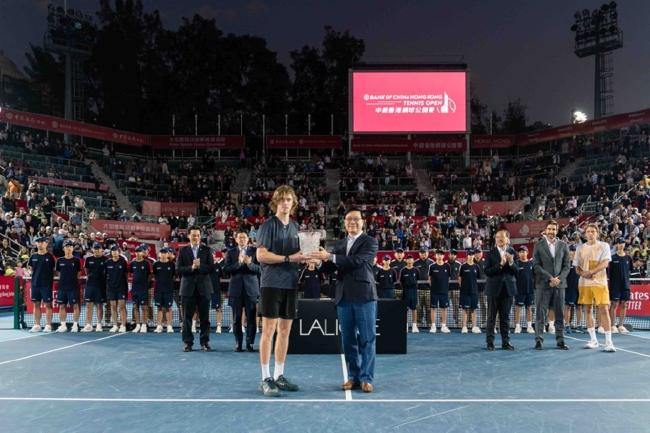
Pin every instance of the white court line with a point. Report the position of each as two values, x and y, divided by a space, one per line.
27 336
635 336
348 393
58 349
617 348
326 400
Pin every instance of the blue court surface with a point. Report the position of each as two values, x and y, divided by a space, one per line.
446 383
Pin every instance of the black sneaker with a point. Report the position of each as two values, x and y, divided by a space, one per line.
269 388
285 385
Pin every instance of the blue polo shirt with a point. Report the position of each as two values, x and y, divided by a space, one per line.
282 240
439 275
42 270
68 270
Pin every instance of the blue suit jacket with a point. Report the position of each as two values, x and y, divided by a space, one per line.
242 277
355 280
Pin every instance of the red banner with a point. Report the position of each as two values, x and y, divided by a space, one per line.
590 127
416 145
303 141
142 230
197 141
69 183
7 291
531 229
639 303
492 141
497 207
158 208
73 127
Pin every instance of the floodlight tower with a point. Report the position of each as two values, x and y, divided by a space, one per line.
597 34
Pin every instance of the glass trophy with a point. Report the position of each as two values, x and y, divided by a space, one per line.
309 241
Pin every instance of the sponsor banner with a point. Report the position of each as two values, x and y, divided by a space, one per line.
197 141
157 208
639 303
497 207
303 141
408 102
7 291
530 229
116 229
617 121
416 145
73 127
492 141
69 183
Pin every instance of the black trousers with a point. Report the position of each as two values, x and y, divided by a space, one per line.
238 305
501 303
190 305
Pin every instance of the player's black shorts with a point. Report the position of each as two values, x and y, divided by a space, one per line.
278 303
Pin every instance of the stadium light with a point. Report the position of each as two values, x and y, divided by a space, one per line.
579 116
597 34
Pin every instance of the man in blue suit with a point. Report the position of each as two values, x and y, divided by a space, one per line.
500 288
356 299
243 290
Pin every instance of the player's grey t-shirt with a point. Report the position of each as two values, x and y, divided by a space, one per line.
282 240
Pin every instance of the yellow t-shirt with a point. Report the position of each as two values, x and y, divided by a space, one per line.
587 257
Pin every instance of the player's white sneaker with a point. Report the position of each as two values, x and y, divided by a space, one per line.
170 330
87 328
476 330
614 329
414 329
36 328
62 328
623 330
609 348
158 329
529 329
136 329
464 330
432 330
99 328
517 328
444 329
218 331
48 328
143 328
591 345
601 330
114 328
75 328
551 329
122 329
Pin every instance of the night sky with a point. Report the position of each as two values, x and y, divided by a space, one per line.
515 49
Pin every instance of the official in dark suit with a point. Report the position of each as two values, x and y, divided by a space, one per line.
500 288
243 290
194 265
551 265
356 300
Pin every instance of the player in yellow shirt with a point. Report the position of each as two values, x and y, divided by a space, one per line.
591 261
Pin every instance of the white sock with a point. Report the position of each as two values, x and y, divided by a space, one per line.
529 324
193 322
608 337
551 323
266 371
278 370
75 324
592 334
